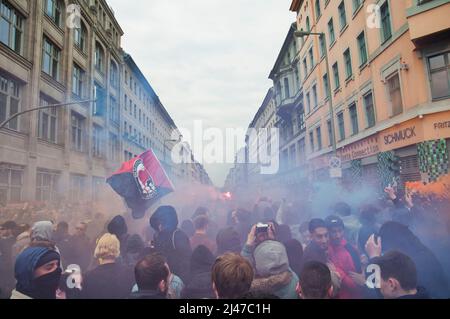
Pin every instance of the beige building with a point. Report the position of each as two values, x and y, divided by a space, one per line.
390 84
66 153
264 120
58 152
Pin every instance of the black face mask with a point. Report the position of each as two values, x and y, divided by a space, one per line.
45 286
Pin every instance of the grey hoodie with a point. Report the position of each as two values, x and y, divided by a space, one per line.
42 231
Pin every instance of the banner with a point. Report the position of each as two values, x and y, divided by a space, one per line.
141 182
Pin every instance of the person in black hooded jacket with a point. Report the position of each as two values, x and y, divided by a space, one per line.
170 241
118 226
200 284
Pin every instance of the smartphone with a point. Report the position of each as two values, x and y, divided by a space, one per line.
262 228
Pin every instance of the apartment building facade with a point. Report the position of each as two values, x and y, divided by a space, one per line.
59 152
66 153
286 75
259 140
389 72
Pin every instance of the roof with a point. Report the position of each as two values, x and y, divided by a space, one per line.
295 5
287 41
132 64
263 106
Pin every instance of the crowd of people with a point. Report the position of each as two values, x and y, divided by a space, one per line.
268 251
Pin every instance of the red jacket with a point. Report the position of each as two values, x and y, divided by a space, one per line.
343 261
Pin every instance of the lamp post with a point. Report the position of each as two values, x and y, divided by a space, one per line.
301 34
38 108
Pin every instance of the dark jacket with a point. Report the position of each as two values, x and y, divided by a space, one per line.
147 294
175 246
421 294
172 242
78 251
314 253
109 281
200 284
118 227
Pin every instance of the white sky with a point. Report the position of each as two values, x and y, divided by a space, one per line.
207 60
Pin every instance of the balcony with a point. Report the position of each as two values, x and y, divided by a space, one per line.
287 106
428 21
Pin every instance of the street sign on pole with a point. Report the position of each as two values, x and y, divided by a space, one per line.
335 167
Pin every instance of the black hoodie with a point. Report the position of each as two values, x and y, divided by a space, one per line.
118 227
172 242
200 284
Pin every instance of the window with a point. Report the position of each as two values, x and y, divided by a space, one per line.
46 185
100 102
305 68
286 88
326 86
292 155
317 6
114 110
97 187
48 122
354 118
348 64
370 111
319 138
314 94
301 118
341 125
297 78
311 141
308 25
54 9
97 137
311 58
114 76
308 103
331 32
439 66
113 147
322 46
11 181
79 35
302 150
278 92
386 31
11 27
395 94
78 80
342 15
99 57
362 49
77 122
356 5
9 101
50 59
337 83
77 187
330 133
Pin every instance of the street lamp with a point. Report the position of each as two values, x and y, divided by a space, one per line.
38 108
301 34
